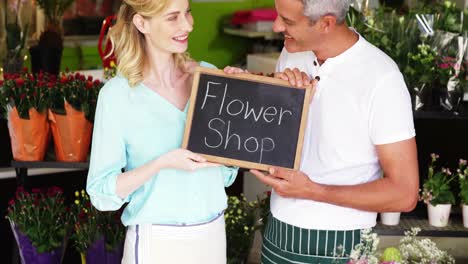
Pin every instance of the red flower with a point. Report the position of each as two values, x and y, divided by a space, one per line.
97 82
54 190
19 81
50 84
40 76
22 96
63 80
40 83
90 78
31 77
25 69
1 82
89 85
11 202
36 190
82 215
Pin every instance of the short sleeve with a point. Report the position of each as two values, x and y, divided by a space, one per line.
391 116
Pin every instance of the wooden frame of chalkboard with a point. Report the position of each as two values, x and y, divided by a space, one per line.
278 85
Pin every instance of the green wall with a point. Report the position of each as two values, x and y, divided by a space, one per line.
208 42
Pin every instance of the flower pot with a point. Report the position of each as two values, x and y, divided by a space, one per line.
29 138
390 218
439 214
28 252
96 253
115 255
465 215
13 62
71 133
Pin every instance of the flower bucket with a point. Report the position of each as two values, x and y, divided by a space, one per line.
29 138
96 253
390 218
439 214
71 133
115 255
28 252
465 215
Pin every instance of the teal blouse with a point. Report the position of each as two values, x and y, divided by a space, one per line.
132 127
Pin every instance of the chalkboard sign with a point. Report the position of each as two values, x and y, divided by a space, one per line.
246 120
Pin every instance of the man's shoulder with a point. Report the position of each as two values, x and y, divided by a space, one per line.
376 59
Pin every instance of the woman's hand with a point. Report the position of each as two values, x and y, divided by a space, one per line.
183 159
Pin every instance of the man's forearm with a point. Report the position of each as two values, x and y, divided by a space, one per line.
382 195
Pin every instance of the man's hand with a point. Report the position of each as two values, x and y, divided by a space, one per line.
288 183
296 78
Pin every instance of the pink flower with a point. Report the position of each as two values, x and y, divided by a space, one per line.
462 162
444 65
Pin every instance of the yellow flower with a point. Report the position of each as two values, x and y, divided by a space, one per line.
77 202
77 194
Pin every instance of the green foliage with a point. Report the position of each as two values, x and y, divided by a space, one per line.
25 91
42 216
421 66
79 91
436 188
240 227
462 173
90 225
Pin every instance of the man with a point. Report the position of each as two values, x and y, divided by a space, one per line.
360 127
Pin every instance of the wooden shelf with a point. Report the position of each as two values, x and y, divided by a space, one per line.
269 35
453 229
49 164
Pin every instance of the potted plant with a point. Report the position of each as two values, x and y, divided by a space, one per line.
72 108
114 236
47 54
39 221
24 100
87 237
98 236
419 74
15 37
437 195
409 250
240 227
462 173
390 218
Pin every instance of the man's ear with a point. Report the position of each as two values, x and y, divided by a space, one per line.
327 23
140 23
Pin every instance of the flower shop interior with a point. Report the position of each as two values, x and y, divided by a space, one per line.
65 54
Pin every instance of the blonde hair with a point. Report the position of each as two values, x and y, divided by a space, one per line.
129 44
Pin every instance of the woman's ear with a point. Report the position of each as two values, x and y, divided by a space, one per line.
140 23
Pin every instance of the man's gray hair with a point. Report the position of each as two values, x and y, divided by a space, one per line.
315 9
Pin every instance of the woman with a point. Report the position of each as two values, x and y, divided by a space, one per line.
175 198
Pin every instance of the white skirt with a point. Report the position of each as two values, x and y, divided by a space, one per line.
156 244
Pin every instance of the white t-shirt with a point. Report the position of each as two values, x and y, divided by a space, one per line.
361 101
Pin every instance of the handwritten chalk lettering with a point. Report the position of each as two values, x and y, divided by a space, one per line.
235 107
230 139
